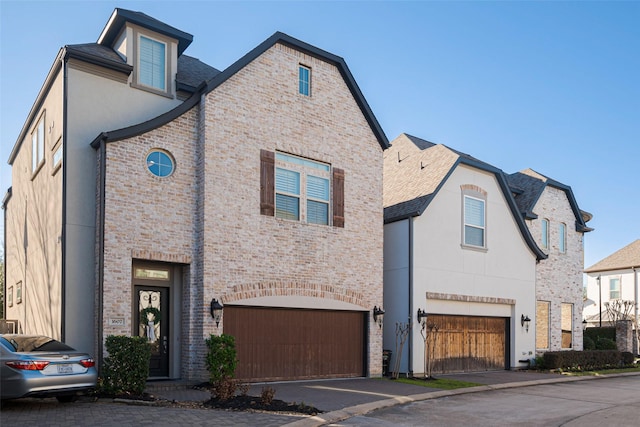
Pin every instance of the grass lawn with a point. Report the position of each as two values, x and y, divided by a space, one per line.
443 384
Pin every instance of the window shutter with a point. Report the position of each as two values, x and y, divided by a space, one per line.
338 198
267 180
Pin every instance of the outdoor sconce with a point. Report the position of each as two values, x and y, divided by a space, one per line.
216 311
422 315
584 324
378 314
524 321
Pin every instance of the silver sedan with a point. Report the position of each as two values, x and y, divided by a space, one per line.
39 366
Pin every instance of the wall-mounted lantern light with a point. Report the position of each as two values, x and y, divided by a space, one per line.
216 311
524 321
378 315
422 317
584 324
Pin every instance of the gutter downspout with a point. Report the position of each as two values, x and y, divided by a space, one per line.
635 294
100 229
411 299
65 157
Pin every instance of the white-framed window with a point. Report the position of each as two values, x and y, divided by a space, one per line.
302 189
474 221
304 80
545 233
56 156
614 288
37 146
152 63
562 238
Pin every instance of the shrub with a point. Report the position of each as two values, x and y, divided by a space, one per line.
126 369
604 332
221 357
588 343
267 395
627 358
605 344
583 360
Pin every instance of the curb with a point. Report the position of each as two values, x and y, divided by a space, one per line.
365 408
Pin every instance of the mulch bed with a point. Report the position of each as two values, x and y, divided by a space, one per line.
253 403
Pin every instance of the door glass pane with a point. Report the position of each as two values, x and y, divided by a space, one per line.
150 317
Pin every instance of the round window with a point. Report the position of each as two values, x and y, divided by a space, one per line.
160 163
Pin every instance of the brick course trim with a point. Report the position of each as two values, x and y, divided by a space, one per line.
268 289
470 298
147 255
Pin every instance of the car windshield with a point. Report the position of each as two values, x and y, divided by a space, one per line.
26 343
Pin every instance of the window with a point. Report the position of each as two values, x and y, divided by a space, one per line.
10 296
37 146
562 238
152 63
302 189
567 325
19 292
57 155
304 80
545 233
474 221
614 288
542 324
160 163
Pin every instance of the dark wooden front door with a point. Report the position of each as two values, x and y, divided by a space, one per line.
279 343
470 343
153 324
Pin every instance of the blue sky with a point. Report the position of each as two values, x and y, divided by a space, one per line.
552 86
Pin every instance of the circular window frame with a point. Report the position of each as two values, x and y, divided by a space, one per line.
162 152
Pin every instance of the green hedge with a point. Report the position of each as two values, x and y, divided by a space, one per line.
126 369
604 332
586 360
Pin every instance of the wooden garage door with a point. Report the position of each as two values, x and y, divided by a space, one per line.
467 343
275 344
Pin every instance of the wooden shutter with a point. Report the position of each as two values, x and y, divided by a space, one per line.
338 197
267 181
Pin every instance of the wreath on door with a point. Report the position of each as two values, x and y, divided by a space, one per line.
144 318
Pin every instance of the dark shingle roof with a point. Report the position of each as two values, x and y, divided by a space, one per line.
120 17
192 72
419 142
407 209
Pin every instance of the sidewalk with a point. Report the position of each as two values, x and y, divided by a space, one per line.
340 399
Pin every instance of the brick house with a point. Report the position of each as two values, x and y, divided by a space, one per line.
258 188
558 226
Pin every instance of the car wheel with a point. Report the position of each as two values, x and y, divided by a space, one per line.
67 398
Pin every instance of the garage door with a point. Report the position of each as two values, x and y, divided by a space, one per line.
276 344
468 343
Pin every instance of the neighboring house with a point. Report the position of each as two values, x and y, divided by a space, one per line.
457 247
260 190
558 226
613 280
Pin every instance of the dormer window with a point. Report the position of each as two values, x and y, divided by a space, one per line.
152 63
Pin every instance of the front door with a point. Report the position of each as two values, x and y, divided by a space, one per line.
153 325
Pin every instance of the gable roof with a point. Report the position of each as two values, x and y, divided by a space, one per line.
625 258
529 186
120 17
408 190
220 78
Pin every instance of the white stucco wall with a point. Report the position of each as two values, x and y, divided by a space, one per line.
501 279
